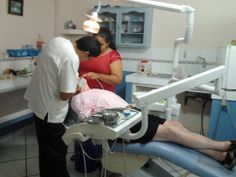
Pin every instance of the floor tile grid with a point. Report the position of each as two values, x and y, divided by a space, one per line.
13 154
22 145
32 156
173 169
27 162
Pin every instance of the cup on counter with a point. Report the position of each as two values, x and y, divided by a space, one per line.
145 67
3 55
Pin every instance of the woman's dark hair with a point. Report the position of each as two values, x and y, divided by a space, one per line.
106 34
90 44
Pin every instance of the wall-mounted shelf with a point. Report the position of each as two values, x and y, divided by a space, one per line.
74 32
17 59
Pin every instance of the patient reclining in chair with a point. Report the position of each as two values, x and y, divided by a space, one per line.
89 101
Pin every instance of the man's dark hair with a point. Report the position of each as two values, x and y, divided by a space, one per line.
89 44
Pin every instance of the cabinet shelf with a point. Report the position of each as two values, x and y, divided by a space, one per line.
132 33
104 21
74 32
128 21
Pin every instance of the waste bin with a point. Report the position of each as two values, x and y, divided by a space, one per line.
92 150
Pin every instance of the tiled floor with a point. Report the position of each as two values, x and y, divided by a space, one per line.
19 157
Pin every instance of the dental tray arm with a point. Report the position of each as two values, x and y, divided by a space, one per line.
72 133
141 132
83 131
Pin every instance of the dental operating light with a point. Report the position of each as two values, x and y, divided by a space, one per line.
92 24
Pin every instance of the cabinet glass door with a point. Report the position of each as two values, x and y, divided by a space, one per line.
132 27
109 20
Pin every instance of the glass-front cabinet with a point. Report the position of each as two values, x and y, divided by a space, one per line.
131 27
109 18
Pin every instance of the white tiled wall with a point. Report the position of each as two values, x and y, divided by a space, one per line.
162 58
162 63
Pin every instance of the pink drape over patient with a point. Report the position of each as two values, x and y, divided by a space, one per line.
90 101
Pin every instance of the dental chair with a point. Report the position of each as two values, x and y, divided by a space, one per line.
120 157
125 158
129 157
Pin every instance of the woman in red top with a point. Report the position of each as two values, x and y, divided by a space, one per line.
104 71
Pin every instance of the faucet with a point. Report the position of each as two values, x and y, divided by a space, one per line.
203 61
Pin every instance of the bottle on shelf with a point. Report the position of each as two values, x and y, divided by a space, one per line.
39 43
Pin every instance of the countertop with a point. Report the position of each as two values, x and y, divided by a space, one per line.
14 83
13 106
155 80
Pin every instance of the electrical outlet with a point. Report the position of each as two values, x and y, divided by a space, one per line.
223 101
185 53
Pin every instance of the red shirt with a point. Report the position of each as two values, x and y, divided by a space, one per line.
100 64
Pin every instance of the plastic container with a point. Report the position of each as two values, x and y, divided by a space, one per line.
22 52
92 150
145 67
17 53
33 52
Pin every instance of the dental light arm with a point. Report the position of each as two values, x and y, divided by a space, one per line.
99 6
144 100
186 39
164 6
188 27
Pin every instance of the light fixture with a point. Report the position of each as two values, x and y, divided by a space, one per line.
92 24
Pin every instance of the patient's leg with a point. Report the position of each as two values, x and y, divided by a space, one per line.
174 131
